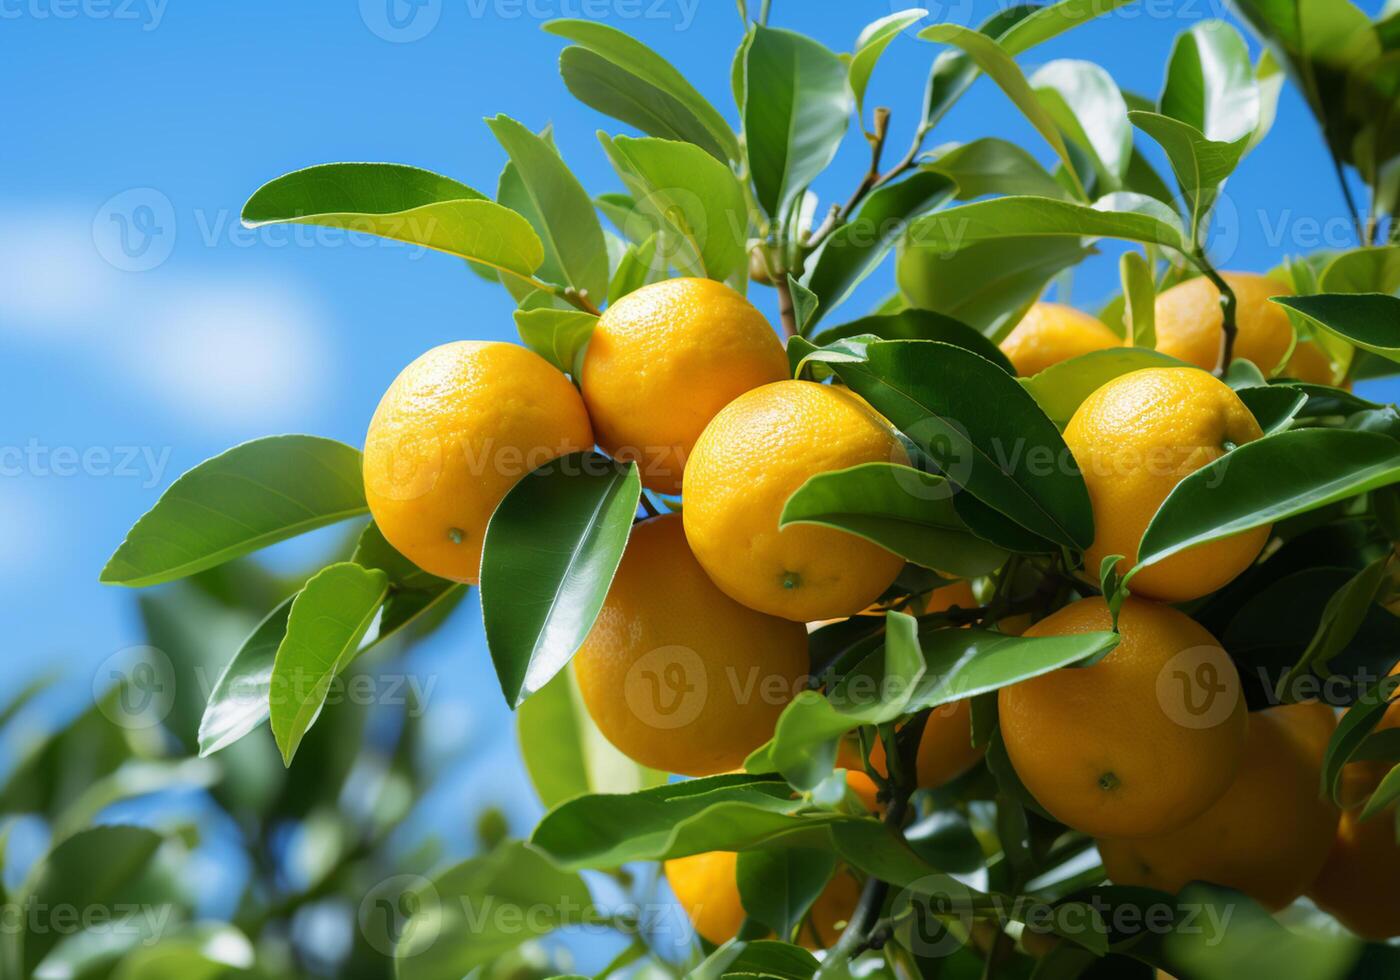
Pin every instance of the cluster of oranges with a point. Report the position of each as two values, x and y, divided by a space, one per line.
702 640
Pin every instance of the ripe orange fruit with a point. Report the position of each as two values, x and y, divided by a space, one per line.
1135 439
1190 322
454 432
1268 836
1308 363
1141 742
1050 333
676 674
663 360
706 888
748 461
1357 884
945 753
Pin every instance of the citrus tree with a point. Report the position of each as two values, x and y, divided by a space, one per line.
992 637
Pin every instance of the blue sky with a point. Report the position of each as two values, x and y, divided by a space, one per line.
162 117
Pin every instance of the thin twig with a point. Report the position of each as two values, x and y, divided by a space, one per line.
1363 230
1227 309
872 179
648 506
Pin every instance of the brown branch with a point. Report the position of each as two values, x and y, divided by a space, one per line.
872 179
786 312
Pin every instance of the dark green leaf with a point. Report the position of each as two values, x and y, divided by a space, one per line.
1369 320
797 105
1352 730
1051 21
629 81
899 508
1342 617
247 498
768 958
778 886
915 324
982 429
325 624
1267 480
550 552
404 204
1274 406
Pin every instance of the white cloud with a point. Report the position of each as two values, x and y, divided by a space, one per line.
53 276
28 530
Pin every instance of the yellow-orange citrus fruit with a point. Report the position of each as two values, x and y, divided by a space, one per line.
1142 741
1190 321
1357 884
1135 439
1268 836
748 461
454 432
1308 363
1050 333
676 674
663 360
945 752
705 886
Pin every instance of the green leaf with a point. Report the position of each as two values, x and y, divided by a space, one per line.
470 914
247 498
797 105
1051 21
769 958
623 78
133 778
1061 388
637 268
914 324
716 813
1370 321
1363 270
915 670
94 872
551 549
325 624
1343 615
404 204
778 886
954 72
568 228
856 248
899 508
998 65
694 199
1353 728
1201 165
413 593
1386 793
565 754
993 166
1140 291
804 304
982 429
1274 407
1122 216
210 951
872 43
239 701
1084 102
1211 84
559 336
989 284
1267 480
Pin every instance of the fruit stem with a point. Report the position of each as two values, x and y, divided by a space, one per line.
786 312
1227 307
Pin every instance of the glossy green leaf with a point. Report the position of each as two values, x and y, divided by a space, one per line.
1140 291
568 225
954 71
413 593
998 65
982 429
1343 615
551 549
1084 102
988 285
1370 321
559 336
858 247
94 872
914 324
1052 20
1274 407
1201 165
1211 83
1061 388
716 813
899 508
564 752
623 78
871 44
804 305
797 105
404 204
778 886
1267 480
691 197
994 166
247 498
238 702
914 671
1363 270
325 624
474 912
